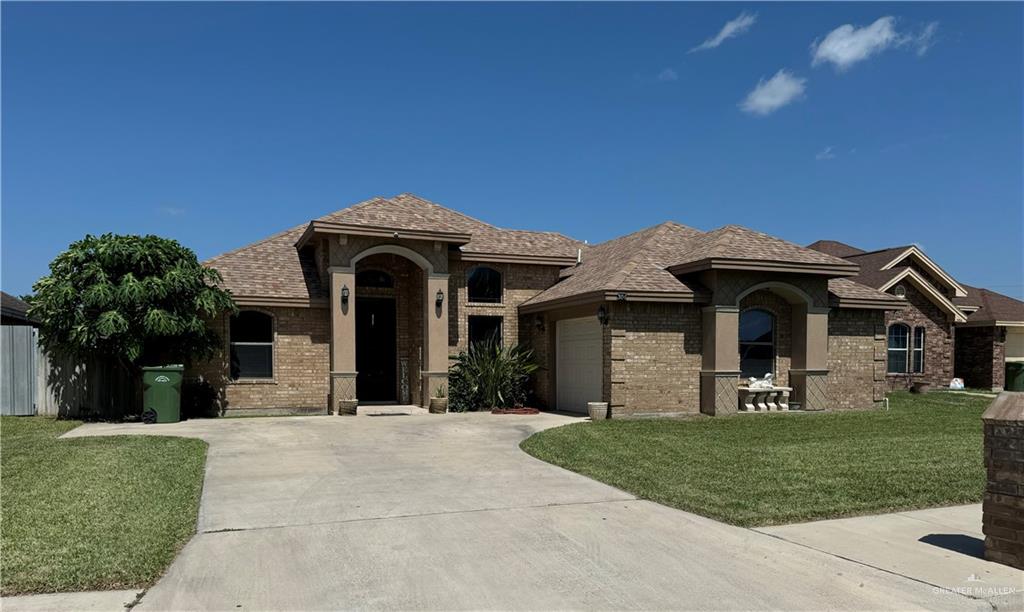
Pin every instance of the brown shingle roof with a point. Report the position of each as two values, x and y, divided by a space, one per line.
993 306
274 268
635 262
14 309
737 242
271 268
835 248
846 289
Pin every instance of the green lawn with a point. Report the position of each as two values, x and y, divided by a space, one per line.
767 469
92 513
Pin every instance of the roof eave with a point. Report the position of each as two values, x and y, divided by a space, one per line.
758 265
865 303
330 227
607 295
545 260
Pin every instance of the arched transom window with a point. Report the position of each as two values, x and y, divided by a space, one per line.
757 343
484 285
252 345
374 278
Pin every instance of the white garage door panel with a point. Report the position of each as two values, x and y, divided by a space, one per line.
578 363
1014 344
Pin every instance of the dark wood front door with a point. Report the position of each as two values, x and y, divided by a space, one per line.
375 350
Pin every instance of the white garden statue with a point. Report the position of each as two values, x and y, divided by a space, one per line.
761 383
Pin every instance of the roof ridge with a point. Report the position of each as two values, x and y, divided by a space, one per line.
409 194
876 251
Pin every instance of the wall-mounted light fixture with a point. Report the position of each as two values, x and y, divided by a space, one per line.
602 315
539 322
439 298
344 294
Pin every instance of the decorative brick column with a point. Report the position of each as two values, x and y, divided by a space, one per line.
1003 508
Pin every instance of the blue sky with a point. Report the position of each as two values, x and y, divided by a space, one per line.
219 124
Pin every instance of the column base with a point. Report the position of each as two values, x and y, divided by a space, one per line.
719 393
810 388
343 393
431 382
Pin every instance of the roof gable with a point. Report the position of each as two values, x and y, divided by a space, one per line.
913 252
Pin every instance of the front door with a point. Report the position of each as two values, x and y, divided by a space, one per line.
375 350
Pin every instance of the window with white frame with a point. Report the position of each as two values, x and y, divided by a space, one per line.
899 346
252 345
918 351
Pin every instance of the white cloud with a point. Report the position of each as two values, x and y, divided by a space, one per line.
774 93
668 75
826 153
731 29
848 44
925 39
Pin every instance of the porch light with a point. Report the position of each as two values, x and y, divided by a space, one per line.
602 315
344 294
439 298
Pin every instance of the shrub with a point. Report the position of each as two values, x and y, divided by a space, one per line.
490 376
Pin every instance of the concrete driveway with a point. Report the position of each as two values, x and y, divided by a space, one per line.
445 512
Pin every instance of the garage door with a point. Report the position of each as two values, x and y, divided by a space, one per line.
578 363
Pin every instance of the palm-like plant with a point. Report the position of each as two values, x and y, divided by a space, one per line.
496 376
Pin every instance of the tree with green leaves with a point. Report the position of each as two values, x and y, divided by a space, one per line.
139 300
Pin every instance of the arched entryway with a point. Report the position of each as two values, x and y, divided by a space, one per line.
389 327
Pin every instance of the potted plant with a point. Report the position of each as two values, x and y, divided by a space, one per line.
598 410
439 403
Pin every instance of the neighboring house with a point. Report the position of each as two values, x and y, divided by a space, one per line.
947 329
18 356
369 303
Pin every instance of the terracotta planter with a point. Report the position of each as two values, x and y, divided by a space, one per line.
347 407
920 387
598 410
438 405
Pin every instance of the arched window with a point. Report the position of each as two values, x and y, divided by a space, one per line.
899 345
918 350
374 278
252 345
484 285
757 343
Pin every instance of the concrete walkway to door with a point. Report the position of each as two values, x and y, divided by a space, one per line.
445 512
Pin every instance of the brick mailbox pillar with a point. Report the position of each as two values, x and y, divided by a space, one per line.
1003 508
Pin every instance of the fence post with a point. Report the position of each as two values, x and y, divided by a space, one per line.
1003 507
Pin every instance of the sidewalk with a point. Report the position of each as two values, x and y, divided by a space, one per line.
941 547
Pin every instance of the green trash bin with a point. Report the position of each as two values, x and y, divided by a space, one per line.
1014 376
161 398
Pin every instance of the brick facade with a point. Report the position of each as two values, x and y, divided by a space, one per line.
519 282
856 358
1003 505
938 352
981 356
653 359
302 338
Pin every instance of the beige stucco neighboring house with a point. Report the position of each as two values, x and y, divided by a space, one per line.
369 304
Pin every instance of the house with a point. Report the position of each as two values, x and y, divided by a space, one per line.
947 329
369 303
